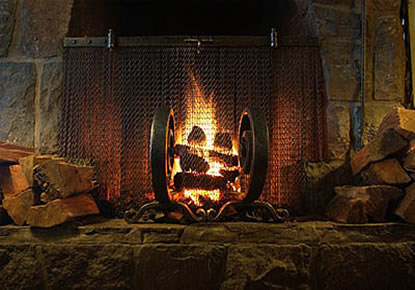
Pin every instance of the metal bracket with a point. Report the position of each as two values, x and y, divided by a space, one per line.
242 208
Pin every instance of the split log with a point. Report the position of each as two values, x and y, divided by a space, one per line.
59 179
388 171
29 162
223 140
382 146
360 204
183 180
229 160
60 211
197 136
401 120
406 209
10 153
12 180
409 161
18 206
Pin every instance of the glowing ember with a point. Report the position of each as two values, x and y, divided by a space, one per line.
196 194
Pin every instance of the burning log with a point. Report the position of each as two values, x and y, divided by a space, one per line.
230 175
183 180
197 136
190 161
230 160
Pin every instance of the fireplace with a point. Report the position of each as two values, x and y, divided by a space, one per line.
112 95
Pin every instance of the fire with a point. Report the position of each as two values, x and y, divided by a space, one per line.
201 112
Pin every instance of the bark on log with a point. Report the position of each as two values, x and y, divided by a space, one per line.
406 208
197 136
10 153
59 179
12 180
61 210
190 161
382 146
388 171
29 162
360 204
229 160
183 180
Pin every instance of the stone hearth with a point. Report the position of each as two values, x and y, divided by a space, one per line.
303 255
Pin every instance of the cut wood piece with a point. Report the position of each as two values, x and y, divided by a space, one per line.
4 217
406 209
60 211
229 160
29 162
401 120
184 180
18 205
10 153
388 171
59 179
359 204
190 160
382 146
12 180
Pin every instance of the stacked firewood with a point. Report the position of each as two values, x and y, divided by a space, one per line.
43 191
386 167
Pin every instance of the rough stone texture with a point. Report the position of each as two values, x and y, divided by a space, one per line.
389 60
51 89
19 267
321 178
61 210
179 267
41 26
7 12
338 130
268 267
17 92
363 266
388 171
19 205
88 267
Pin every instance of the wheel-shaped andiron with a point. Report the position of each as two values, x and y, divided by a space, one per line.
162 144
253 151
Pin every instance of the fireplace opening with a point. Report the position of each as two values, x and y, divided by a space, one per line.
111 96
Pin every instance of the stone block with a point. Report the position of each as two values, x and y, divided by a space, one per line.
50 106
7 19
389 59
87 267
341 58
182 266
268 267
338 130
41 26
17 94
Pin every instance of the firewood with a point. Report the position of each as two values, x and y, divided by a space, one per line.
61 210
359 204
409 161
10 153
197 136
383 145
223 140
230 175
183 180
228 159
18 205
29 162
191 161
388 171
400 119
12 180
406 209
59 179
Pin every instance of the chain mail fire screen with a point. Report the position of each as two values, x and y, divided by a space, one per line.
110 96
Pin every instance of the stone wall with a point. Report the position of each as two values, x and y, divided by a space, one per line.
31 78
31 34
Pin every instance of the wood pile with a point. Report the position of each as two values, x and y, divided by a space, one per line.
387 169
42 191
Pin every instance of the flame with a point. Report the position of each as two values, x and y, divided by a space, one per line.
196 194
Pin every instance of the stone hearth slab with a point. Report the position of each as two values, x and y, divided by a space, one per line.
114 255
